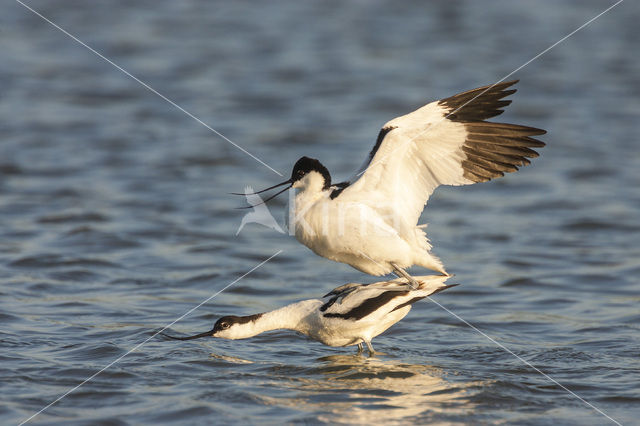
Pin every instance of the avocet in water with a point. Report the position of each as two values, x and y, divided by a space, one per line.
371 221
351 314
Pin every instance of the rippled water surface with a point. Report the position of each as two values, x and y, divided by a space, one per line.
115 218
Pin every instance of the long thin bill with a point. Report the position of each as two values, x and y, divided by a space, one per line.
270 198
197 336
264 190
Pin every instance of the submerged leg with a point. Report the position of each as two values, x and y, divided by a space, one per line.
360 349
411 282
371 351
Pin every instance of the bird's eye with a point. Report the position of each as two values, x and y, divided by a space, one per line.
225 325
300 173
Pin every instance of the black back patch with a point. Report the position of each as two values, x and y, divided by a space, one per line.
410 302
339 187
329 303
365 308
381 135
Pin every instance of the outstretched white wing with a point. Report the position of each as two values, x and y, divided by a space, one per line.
446 142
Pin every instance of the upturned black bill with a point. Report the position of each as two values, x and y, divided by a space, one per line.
197 336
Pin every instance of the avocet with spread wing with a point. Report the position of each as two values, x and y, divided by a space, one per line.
371 221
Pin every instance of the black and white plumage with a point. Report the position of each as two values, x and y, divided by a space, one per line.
371 221
351 314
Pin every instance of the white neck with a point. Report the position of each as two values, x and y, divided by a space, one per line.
313 182
310 191
290 317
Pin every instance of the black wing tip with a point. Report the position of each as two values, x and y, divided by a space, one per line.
480 103
446 287
506 84
493 149
532 131
497 87
536 143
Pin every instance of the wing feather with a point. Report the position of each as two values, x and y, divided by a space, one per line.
373 301
446 142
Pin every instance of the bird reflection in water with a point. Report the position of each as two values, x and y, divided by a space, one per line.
356 389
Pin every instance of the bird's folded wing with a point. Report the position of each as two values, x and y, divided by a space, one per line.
446 142
358 305
373 301
357 301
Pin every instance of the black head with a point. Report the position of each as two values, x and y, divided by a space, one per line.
305 165
224 323
221 326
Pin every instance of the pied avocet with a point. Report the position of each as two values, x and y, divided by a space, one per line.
371 221
351 314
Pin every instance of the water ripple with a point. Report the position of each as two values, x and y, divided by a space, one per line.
115 218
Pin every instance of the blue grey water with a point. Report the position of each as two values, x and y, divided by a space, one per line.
115 217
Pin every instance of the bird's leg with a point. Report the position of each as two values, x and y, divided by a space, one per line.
411 282
360 349
371 351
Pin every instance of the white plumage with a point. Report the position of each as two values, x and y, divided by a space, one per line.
351 314
371 221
